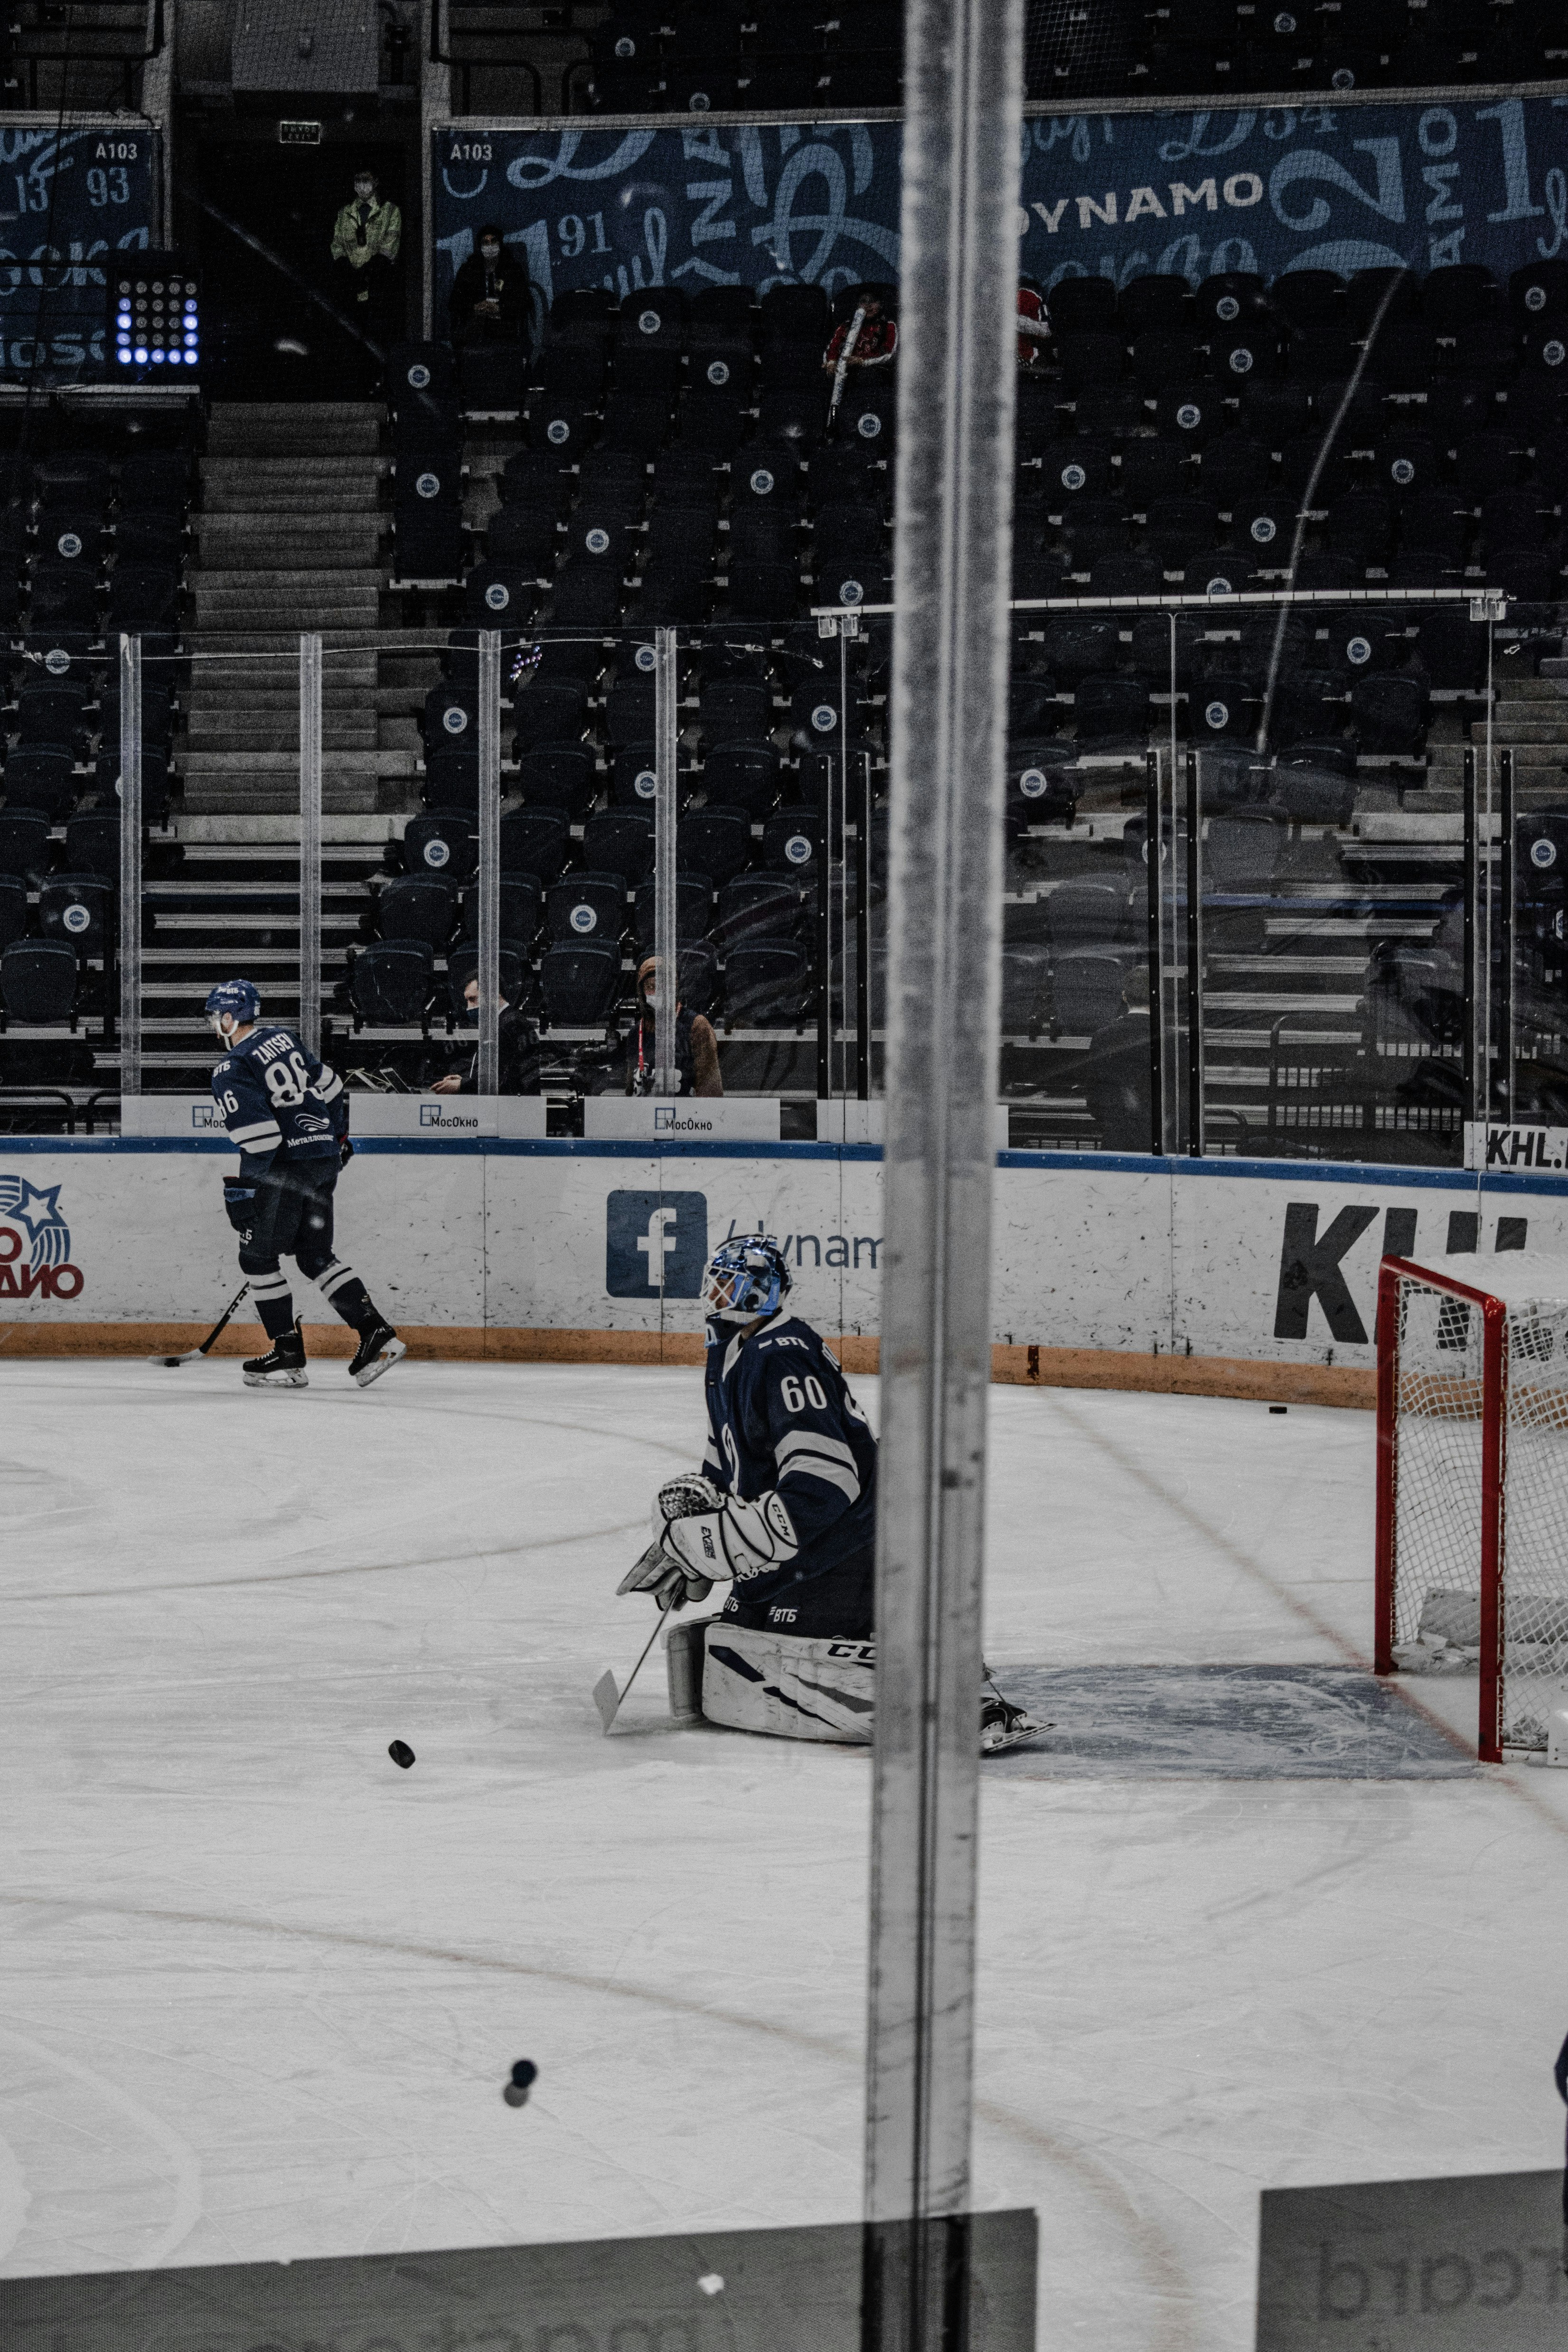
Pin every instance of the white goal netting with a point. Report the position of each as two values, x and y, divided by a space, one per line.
1476 1437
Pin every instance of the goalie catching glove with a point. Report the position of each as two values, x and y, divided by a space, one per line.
702 1537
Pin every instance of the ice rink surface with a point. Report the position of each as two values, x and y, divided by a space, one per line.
263 1988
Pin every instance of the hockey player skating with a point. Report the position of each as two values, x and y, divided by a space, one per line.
289 1116
784 1512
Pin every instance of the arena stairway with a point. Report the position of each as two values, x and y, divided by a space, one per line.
290 538
223 893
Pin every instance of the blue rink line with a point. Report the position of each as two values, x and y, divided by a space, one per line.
1223 1723
1381 1177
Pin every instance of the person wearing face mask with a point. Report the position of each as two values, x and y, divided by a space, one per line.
490 300
696 1047
367 237
517 1058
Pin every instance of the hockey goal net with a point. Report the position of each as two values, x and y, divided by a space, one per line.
1473 1484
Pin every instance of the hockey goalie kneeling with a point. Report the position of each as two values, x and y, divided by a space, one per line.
783 1511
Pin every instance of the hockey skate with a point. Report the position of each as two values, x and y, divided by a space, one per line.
377 1352
282 1366
1003 1724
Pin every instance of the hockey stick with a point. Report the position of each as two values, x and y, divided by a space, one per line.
196 1355
850 340
606 1697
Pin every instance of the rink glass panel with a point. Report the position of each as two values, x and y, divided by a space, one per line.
1293 988
780 857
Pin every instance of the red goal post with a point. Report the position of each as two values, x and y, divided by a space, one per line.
1473 1484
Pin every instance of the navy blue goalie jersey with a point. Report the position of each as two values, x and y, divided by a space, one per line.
278 1102
781 1420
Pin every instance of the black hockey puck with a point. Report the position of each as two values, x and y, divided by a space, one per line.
514 2096
524 2073
1278 1408
401 1753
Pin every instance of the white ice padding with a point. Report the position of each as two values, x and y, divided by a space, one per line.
789 1685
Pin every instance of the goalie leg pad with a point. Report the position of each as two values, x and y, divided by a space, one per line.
789 1685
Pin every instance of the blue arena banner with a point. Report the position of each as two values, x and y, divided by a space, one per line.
68 199
1266 188
1284 187
753 204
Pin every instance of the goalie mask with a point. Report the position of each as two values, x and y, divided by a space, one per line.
746 1276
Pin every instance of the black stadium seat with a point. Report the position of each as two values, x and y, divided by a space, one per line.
579 984
619 841
694 905
520 906
463 965
38 982
586 905
75 908
13 908
24 843
443 842
93 846
535 841
391 984
766 983
419 907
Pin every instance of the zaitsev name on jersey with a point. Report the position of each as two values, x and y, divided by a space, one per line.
277 1099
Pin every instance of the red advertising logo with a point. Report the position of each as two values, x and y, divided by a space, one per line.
30 1220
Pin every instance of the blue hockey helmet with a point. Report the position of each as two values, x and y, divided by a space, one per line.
233 1004
747 1275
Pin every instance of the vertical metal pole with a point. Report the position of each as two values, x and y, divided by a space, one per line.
838 760
488 1073
1505 892
959 271
1488 831
1195 1120
310 842
667 694
862 933
1152 905
129 924
1475 1102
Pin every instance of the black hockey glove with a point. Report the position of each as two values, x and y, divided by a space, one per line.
239 1204
345 1152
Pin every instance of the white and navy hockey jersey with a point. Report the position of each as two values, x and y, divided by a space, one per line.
278 1102
781 1420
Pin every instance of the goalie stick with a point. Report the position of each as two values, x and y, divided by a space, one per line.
196 1355
606 1697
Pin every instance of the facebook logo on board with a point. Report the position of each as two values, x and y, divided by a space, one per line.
654 1242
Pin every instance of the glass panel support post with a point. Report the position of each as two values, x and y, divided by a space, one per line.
487 1076
1156 953
1474 1029
130 923
956 404
862 928
666 731
1506 884
1195 1118
310 842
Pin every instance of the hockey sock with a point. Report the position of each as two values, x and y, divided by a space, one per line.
274 1305
348 1295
